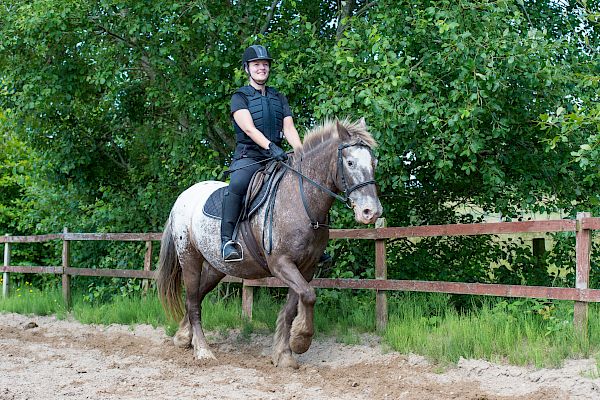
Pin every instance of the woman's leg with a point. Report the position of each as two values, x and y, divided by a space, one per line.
232 205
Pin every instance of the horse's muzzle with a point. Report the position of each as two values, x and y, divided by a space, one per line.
367 214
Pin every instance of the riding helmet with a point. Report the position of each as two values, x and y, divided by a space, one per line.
255 52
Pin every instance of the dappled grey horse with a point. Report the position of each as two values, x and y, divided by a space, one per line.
336 161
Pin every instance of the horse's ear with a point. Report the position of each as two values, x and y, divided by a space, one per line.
343 133
362 123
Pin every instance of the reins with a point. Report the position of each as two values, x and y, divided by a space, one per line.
314 223
301 176
346 193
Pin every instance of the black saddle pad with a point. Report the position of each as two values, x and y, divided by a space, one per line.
214 205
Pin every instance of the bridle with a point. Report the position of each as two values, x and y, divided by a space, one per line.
344 197
340 167
340 172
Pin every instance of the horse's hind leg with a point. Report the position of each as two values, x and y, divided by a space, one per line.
198 281
208 281
183 336
282 353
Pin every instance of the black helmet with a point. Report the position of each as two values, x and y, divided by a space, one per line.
256 52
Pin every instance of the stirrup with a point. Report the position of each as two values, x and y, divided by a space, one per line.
237 254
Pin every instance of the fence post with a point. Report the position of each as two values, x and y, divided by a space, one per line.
147 265
247 300
381 273
5 286
66 278
583 247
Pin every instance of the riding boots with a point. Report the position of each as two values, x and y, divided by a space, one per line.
232 206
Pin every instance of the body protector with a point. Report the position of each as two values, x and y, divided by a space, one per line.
267 115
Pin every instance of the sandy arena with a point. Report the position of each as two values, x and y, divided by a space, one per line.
45 358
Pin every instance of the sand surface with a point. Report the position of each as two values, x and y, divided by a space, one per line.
46 358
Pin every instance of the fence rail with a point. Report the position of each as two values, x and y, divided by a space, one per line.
581 294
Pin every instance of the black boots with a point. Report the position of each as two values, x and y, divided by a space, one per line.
232 206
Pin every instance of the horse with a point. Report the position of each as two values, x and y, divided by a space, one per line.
335 161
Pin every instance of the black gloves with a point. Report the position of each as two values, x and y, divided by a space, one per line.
277 152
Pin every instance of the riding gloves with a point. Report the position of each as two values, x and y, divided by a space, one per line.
277 152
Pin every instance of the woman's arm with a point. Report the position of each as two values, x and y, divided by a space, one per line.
291 133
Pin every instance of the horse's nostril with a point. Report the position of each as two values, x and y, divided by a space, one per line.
368 213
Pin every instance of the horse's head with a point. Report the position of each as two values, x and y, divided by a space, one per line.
355 173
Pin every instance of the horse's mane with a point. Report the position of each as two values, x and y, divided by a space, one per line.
327 131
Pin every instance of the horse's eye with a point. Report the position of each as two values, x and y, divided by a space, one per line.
350 163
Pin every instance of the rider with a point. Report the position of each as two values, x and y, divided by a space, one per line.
261 116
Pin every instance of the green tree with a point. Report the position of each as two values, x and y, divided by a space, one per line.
15 166
573 127
126 103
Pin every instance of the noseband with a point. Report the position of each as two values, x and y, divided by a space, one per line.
345 197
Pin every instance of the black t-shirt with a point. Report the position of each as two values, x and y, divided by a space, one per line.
239 102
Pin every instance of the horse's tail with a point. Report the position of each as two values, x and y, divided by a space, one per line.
168 276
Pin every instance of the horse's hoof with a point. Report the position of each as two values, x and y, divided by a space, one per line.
205 354
182 340
285 360
300 343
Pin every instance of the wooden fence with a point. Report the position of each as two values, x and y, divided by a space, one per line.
581 294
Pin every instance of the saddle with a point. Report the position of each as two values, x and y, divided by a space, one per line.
263 186
258 192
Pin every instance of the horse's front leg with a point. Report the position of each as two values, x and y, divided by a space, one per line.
302 329
282 353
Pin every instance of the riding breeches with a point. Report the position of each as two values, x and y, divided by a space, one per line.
243 168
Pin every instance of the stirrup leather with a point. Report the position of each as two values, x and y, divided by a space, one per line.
238 249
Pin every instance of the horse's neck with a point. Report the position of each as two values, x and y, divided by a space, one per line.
320 167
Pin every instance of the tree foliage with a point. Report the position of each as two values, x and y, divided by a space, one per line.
15 166
123 104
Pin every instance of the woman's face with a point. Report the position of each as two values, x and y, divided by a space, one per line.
259 71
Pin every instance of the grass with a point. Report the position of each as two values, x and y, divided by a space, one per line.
521 332
121 310
29 300
340 315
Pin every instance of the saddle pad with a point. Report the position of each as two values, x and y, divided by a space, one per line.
213 207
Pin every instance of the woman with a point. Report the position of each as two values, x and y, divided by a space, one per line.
261 117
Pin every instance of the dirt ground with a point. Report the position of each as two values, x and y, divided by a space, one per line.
45 358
